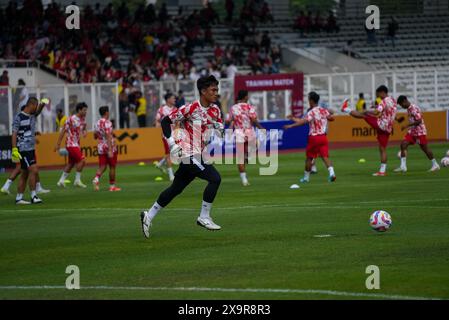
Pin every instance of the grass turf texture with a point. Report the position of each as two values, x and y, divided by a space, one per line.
267 239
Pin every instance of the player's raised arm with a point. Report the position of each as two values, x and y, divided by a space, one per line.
297 123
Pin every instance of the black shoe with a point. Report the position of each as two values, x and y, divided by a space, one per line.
36 200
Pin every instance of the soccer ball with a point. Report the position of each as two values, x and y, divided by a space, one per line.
380 221
445 162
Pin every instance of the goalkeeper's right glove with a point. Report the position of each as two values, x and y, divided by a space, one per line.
175 150
16 156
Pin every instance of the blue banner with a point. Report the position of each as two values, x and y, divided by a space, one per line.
295 138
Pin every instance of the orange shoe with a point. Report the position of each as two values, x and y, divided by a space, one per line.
379 174
114 189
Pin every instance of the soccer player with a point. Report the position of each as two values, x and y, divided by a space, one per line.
194 119
243 118
162 112
380 118
23 148
317 145
417 133
107 150
74 127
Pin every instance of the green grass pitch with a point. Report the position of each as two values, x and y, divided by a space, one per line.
267 241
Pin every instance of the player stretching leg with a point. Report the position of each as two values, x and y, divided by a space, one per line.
194 119
317 145
380 118
162 112
243 118
417 133
23 146
107 150
75 126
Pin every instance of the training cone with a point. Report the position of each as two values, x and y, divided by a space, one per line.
158 179
362 160
141 164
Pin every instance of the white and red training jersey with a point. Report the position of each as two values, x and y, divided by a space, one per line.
414 114
194 120
74 127
242 115
103 128
387 109
162 112
317 118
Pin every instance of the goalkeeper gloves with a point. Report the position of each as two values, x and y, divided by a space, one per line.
175 150
16 156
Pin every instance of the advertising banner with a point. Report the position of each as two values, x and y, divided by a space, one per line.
132 145
348 129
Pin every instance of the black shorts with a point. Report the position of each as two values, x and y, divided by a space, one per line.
196 169
28 159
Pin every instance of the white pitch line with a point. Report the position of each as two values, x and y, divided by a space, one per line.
311 206
244 290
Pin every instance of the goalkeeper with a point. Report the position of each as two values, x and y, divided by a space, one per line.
23 148
195 120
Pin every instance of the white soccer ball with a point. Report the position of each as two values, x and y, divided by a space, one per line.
63 152
445 162
380 221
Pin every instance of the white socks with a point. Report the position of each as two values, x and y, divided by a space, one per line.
162 162
33 194
403 162
154 211
383 168
63 176
78 177
205 210
434 163
306 175
243 177
19 196
170 174
38 186
331 171
7 184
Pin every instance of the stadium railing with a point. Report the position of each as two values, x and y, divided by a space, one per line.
429 88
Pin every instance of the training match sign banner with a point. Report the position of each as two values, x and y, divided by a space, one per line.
293 82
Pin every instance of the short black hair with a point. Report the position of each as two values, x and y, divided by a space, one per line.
206 82
59 110
361 95
242 94
103 110
382 88
80 106
402 99
168 96
32 100
315 97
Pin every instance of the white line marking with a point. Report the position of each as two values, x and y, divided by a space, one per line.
316 205
247 290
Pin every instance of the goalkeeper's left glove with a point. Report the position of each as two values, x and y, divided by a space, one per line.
16 156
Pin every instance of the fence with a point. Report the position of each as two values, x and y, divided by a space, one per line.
427 88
